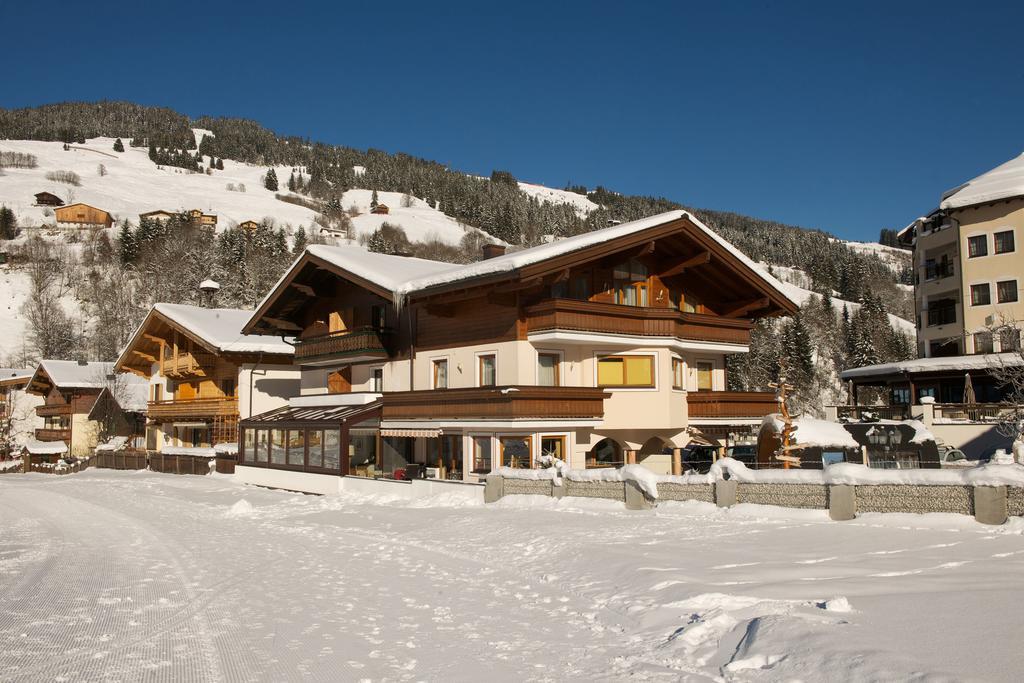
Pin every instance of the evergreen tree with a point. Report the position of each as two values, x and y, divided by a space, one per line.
291 182
220 164
152 152
127 244
118 145
300 242
373 201
270 181
8 224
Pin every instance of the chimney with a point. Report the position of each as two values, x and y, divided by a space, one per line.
492 250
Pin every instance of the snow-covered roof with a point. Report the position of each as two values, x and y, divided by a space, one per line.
46 447
222 328
812 432
951 363
403 276
1002 182
15 375
72 374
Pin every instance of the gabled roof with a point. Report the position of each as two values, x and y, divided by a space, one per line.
217 329
15 376
400 278
71 374
989 361
131 397
1002 182
71 206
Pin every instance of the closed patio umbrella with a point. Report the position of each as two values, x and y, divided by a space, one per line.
969 397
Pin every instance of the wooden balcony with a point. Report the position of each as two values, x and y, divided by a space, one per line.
635 321
53 435
496 403
187 364
897 412
54 409
731 404
352 345
192 409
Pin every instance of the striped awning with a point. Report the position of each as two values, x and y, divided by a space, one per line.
412 433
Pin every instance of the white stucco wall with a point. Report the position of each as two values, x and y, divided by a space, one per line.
266 387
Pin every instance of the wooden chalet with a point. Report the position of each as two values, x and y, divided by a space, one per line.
248 225
203 373
601 349
159 216
71 390
381 210
82 216
48 199
203 220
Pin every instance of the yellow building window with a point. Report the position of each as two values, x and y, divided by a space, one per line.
625 371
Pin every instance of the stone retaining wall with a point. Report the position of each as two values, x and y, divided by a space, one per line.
813 496
987 504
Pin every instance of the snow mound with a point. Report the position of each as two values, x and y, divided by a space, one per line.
837 604
242 508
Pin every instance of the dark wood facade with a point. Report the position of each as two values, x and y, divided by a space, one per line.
503 403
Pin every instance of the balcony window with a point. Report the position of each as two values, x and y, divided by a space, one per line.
1003 242
1009 339
516 452
481 454
941 312
705 375
377 380
548 369
983 342
378 317
440 371
980 295
936 270
487 373
579 287
678 373
1006 291
944 349
625 371
977 246
630 283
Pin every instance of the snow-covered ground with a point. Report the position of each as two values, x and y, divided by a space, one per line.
580 202
133 185
124 575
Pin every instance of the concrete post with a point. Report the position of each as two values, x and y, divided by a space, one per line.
630 457
494 488
677 461
831 413
635 498
26 462
725 493
556 490
990 504
927 413
842 502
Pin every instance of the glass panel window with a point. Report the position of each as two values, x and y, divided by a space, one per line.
1003 242
249 445
705 373
678 378
488 371
900 396
560 290
553 446
625 371
983 342
579 287
277 446
441 373
517 452
630 283
980 295
607 453
977 246
1006 291
262 444
481 454
362 451
315 442
332 449
547 369
1009 339
297 447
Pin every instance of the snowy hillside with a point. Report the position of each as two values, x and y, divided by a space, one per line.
133 184
795 281
895 259
546 194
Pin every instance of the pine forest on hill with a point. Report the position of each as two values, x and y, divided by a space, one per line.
85 297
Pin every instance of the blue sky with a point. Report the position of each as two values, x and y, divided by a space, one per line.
848 118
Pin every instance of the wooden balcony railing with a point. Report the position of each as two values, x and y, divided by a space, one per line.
54 409
195 408
974 412
363 342
186 364
731 404
897 412
53 435
506 403
602 318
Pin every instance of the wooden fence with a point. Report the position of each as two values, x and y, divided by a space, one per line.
121 460
137 460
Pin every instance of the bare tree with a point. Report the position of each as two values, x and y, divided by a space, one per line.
16 419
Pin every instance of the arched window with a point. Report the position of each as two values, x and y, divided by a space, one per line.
630 282
606 453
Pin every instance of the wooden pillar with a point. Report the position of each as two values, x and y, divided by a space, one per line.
630 457
677 461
